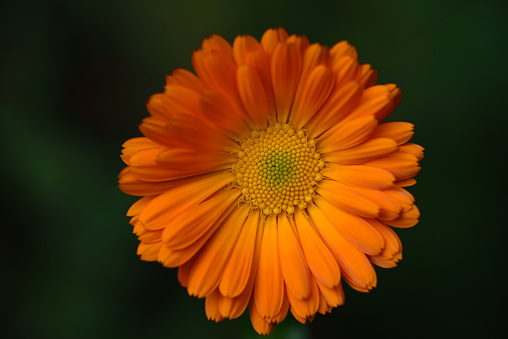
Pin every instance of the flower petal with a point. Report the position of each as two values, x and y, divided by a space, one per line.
293 262
269 285
184 228
207 270
166 206
356 230
272 37
285 67
347 135
316 90
254 96
340 103
400 132
360 176
238 269
401 165
363 153
340 196
321 262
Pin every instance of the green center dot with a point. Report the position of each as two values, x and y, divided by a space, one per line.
278 169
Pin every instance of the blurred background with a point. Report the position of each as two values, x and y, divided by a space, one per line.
74 80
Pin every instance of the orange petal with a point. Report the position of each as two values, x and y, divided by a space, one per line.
389 209
218 71
400 132
354 229
157 108
238 269
375 101
354 265
360 176
134 145
184 228
216 43
314 56
261 326
149 251
259 61
401 165
285 70
166 206
367 76
392 251
185 78
139 206
405 182
212 307
316 89
343 48
129 184
293 262
303 308
145 167
403 197
220 112
339 105
413 149
178 159
321 262
242 46
234 307
333 296
253 94
207 270
156 130
269 285
346 69
363 153
340 196
407 219
171 257
183 272
347 135
300 41
272 37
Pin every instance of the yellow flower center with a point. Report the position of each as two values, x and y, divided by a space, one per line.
278 169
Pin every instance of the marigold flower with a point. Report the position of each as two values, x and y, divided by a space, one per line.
268 177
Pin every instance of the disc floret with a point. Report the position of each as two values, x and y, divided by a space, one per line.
278 169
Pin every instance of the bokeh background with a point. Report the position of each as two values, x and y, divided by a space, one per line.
75 77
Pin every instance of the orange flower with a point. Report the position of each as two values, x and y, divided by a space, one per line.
268 177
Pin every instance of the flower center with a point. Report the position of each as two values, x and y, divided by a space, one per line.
278 169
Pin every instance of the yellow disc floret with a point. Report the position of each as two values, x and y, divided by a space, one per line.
278 169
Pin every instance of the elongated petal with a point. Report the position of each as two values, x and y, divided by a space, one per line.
238 270
367 151
347 135
340 103
316 90
285 70
161 210
269 285
342 197
355 229
207 270
400 132
254 96
192 223
293 262
361 176
321 261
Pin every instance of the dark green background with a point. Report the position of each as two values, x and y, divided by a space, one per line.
75 77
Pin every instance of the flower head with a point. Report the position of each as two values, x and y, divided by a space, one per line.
269 178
